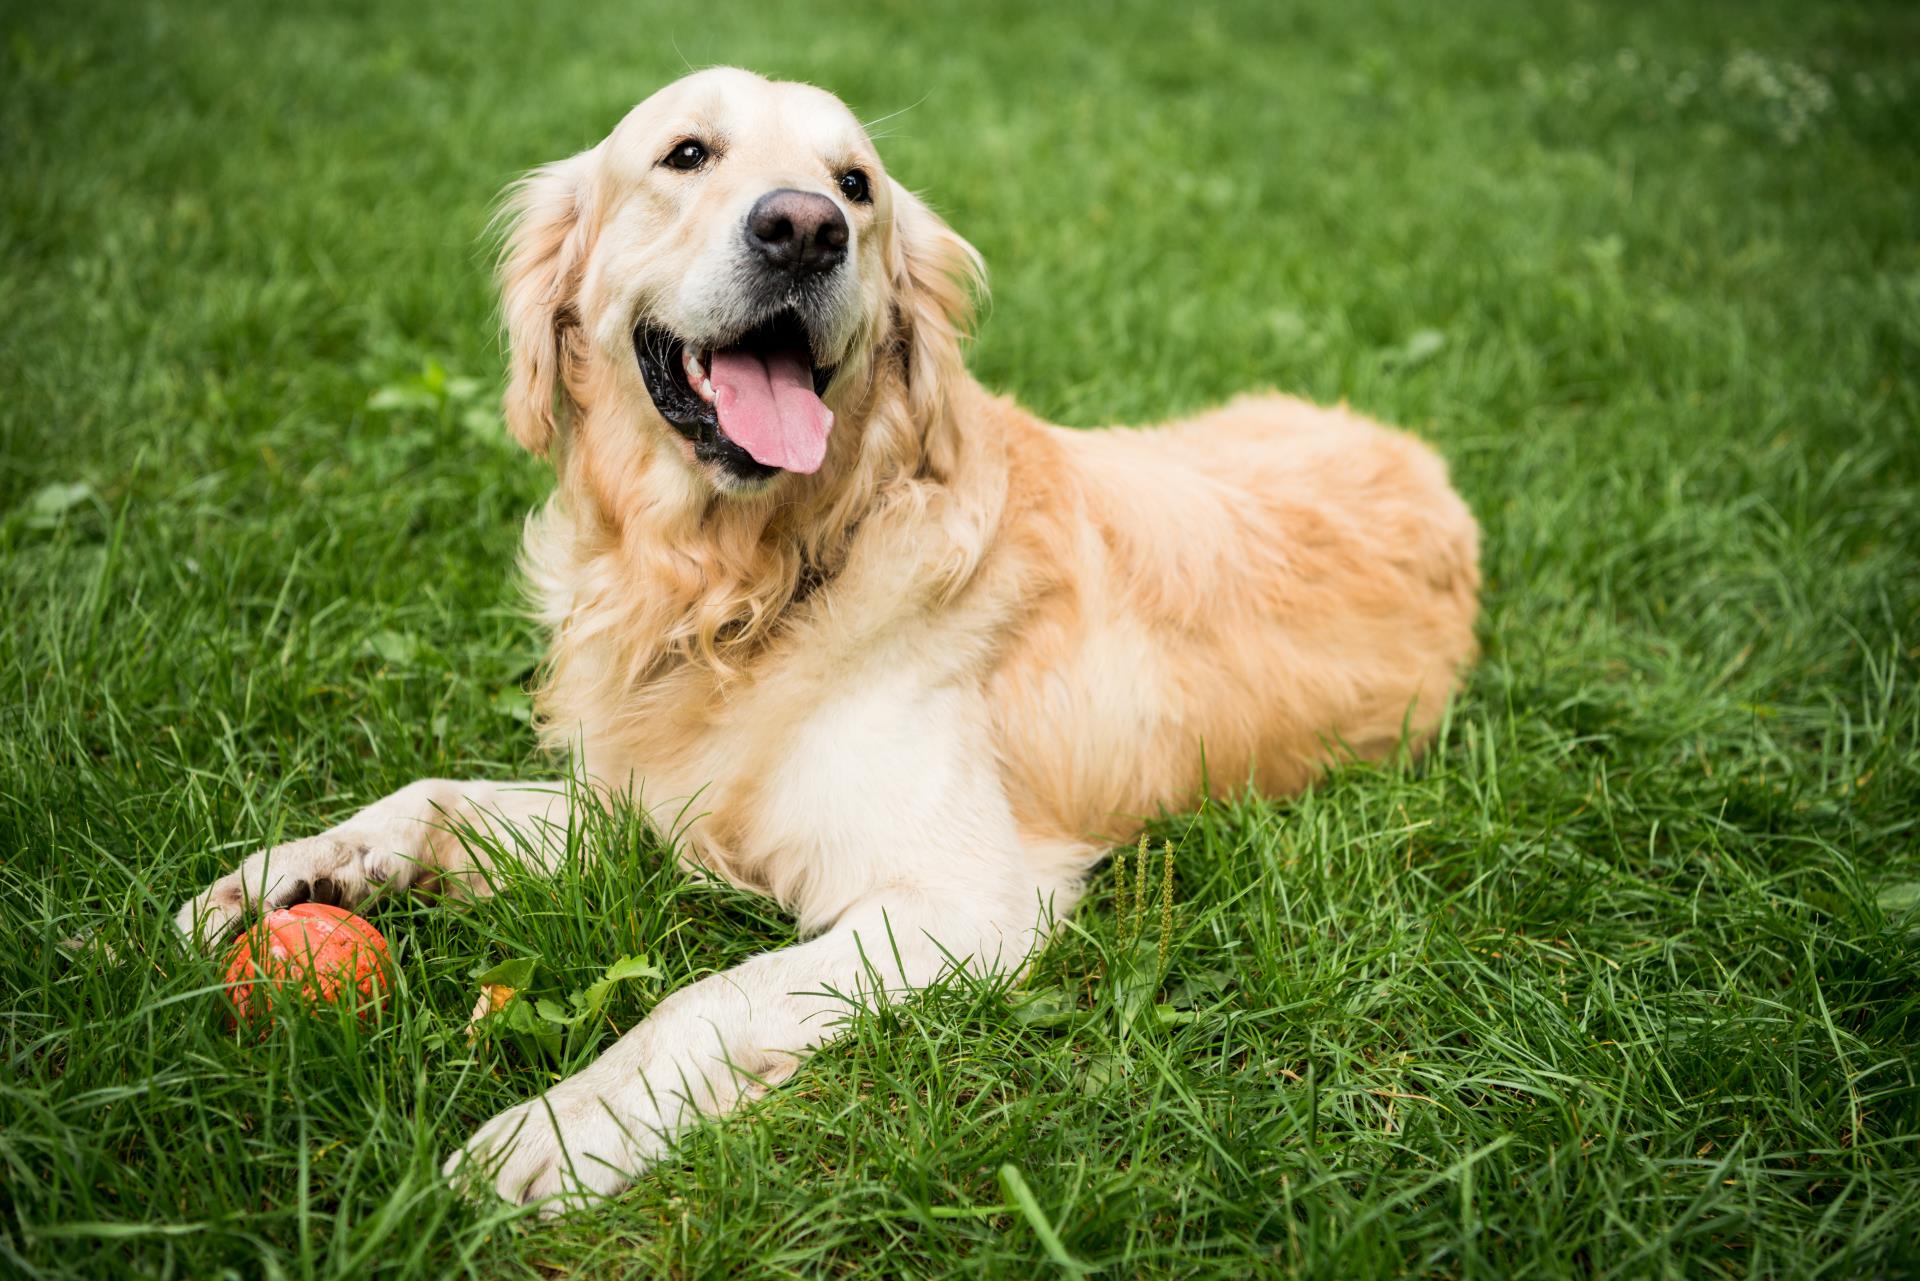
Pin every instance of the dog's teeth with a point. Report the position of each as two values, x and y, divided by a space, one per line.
696 366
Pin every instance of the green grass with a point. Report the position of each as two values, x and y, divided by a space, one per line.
1620 981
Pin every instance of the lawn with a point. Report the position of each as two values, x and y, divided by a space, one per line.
1623 979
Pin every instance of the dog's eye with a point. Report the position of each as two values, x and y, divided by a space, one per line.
686 156
853 185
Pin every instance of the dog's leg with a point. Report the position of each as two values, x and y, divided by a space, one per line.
410 837
728 1037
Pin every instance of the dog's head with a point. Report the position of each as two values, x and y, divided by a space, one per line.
732 275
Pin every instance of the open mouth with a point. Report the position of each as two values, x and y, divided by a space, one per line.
751 406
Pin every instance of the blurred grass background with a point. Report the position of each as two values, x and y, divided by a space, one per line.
1620 982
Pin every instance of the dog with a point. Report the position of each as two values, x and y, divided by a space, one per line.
915 659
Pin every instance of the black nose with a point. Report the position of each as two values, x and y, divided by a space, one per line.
798 232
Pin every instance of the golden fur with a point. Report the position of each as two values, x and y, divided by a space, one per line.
1272 583
916 695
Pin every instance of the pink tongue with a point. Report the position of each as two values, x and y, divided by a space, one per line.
766 404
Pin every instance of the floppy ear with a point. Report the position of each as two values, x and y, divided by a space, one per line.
548 230
939 277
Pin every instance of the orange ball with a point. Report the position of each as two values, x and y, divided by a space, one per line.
316 953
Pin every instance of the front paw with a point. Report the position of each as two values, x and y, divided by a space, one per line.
567 1149
344 868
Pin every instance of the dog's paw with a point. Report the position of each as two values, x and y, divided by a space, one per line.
565 1150
344 868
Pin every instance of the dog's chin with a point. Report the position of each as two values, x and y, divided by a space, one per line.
765 382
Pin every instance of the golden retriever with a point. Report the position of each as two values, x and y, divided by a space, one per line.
921 658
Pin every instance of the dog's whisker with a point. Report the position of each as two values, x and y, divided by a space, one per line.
868 125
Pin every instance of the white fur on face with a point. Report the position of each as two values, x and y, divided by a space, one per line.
710 303
672 249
